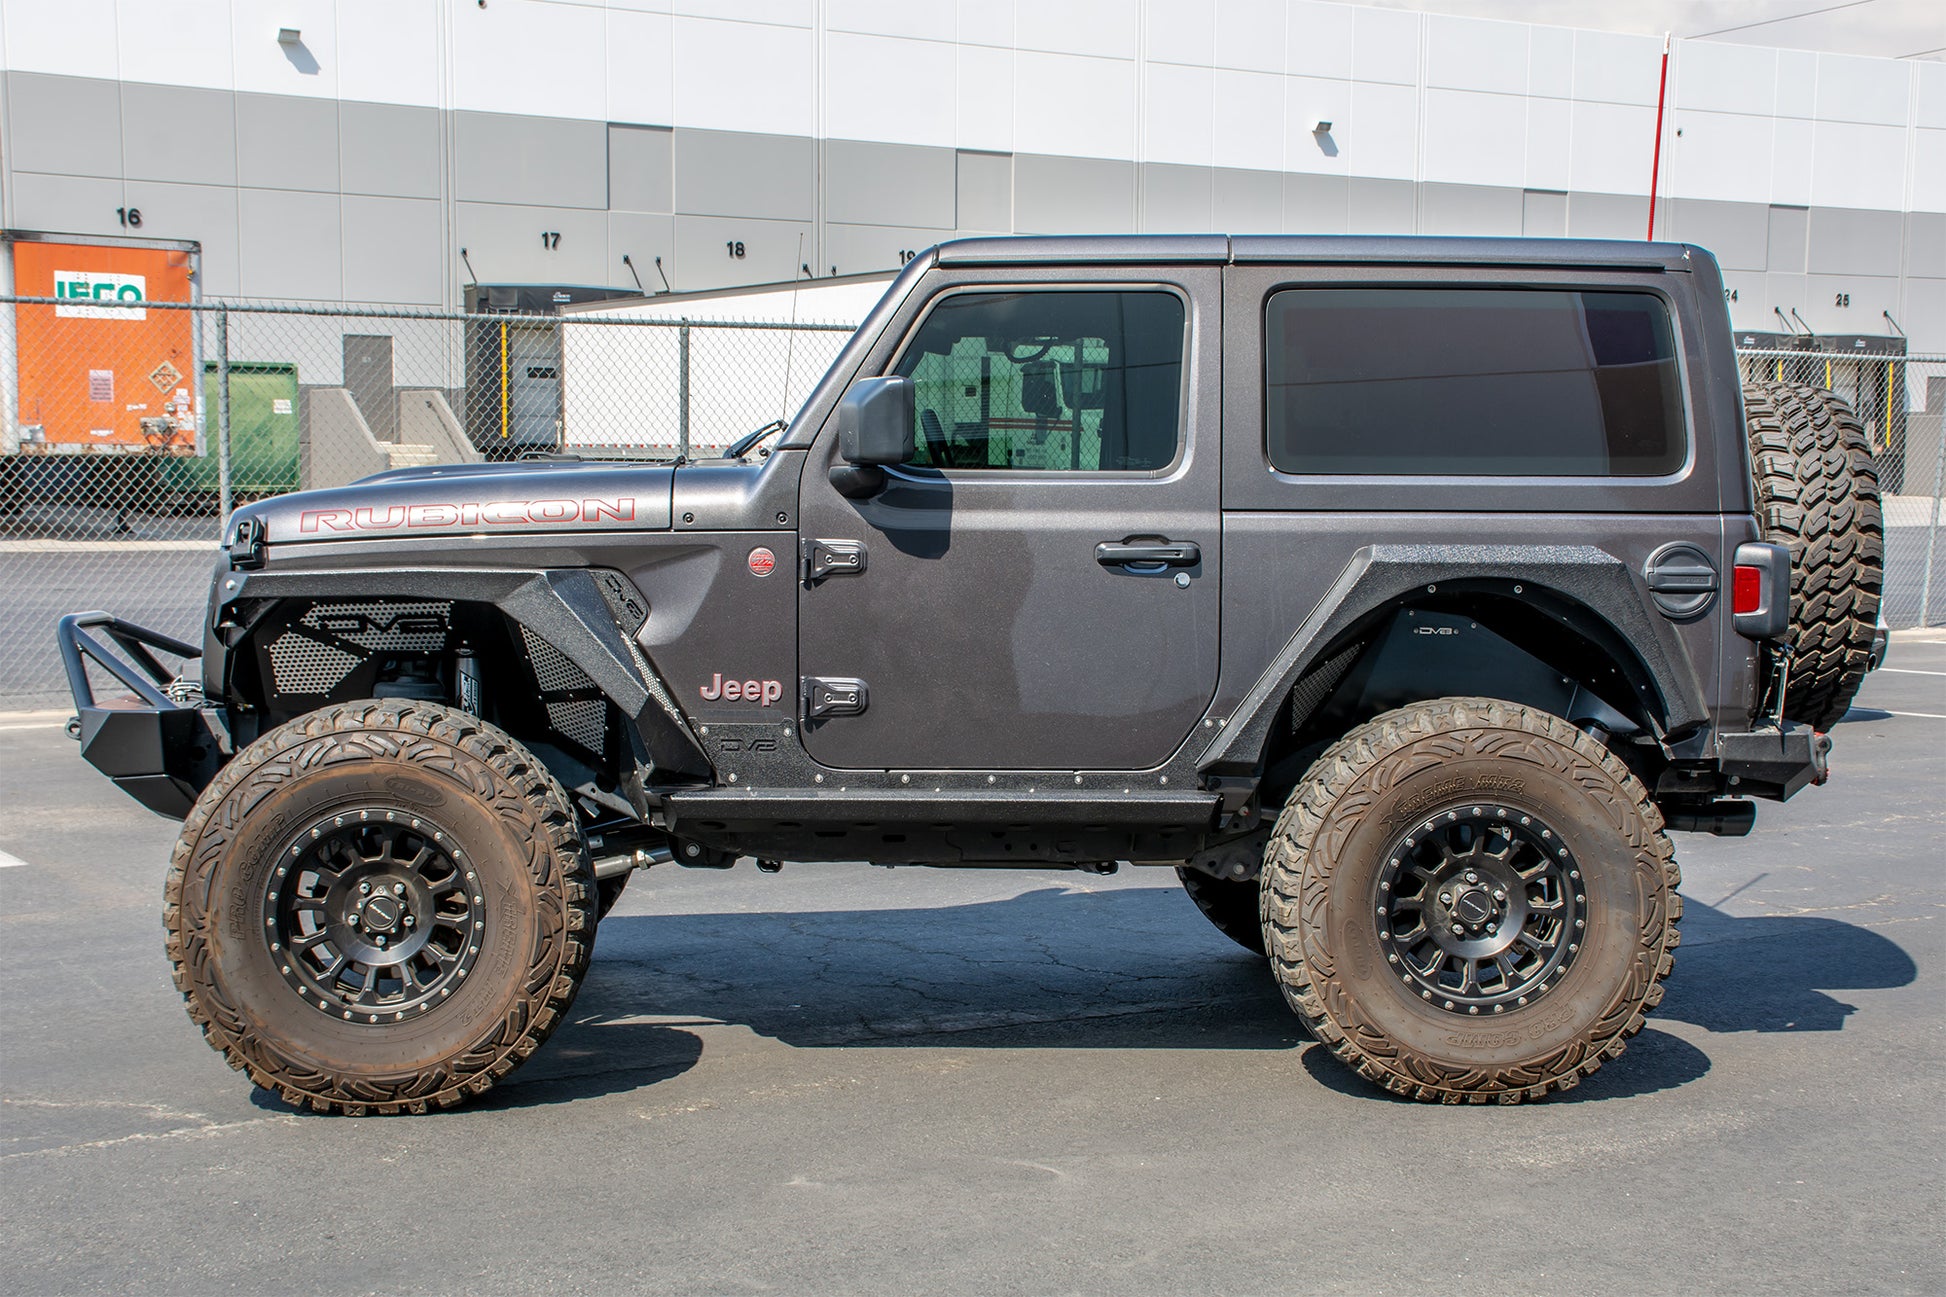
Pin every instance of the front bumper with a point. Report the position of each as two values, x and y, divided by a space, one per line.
162 751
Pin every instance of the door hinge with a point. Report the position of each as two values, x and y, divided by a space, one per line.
826 696
827 558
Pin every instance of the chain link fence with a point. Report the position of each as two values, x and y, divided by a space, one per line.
129 431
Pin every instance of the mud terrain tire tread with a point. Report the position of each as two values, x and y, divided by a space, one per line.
514 784
1817 492
1348 782
1231 905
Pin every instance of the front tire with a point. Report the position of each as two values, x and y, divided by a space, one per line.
1469 900
380 907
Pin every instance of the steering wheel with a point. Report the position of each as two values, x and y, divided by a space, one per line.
1023 350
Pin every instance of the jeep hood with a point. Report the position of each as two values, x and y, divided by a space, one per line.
472 499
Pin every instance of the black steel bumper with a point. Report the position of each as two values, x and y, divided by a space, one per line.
1775 762
160 751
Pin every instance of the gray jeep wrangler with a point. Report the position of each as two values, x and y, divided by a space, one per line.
1401 594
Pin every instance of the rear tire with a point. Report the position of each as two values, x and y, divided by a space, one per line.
1817 493
380 907
1469 900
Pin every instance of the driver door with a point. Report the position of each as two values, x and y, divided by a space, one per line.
1040 582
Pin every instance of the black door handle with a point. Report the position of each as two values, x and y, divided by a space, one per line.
1148 553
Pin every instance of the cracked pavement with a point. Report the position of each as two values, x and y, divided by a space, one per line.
847 1079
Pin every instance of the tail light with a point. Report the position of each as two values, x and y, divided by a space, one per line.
1747 592
1760 591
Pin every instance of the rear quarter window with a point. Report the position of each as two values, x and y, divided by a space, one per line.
1472 381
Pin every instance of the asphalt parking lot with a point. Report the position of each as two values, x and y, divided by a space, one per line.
846 1079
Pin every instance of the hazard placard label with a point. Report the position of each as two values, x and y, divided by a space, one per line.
165 376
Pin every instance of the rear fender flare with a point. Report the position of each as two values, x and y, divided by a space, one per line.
1589 587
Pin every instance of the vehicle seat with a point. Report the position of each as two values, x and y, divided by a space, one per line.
938 451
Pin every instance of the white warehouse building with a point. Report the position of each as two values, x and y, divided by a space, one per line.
403 151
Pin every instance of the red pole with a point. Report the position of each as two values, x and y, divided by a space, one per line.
1655 168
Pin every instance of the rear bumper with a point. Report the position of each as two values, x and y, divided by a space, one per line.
1774 763
160 751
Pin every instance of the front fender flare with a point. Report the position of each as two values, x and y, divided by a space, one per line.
564 606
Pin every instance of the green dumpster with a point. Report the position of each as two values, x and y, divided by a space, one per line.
263 434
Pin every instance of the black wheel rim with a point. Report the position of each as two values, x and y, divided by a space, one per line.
374 915
1481 908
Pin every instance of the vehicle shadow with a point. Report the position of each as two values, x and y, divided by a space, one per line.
595 1054
1654 1060
591 1055
1122 968
1775 972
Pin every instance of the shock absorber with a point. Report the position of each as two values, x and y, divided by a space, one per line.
466 672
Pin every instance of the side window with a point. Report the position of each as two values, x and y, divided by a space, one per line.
1498 381
1078 380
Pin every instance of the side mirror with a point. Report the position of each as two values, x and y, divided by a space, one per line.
875 419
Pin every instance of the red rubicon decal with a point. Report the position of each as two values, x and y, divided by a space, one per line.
762 561
492 513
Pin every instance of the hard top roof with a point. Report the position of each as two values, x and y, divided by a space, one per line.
1221 249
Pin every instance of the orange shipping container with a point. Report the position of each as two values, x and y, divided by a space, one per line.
96 378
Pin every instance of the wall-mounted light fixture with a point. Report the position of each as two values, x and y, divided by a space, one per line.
289 36
1322 126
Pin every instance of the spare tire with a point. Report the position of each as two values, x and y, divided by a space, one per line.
1817 492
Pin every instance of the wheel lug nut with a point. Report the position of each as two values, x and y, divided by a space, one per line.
1458 931
398 889
380 941
364 889
1499 895
1445 898
408 920
1472 877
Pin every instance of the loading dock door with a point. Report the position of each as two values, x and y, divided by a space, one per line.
533 388
513 386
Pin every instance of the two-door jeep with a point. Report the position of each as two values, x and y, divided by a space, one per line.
1401 594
